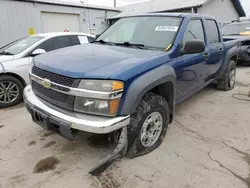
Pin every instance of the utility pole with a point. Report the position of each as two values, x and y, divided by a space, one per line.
114 3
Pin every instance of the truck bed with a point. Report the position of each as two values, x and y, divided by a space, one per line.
230 42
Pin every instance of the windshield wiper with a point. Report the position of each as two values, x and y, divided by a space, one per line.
6 53
105 42
140 46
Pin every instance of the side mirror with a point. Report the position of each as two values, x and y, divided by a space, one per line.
38 52
193 47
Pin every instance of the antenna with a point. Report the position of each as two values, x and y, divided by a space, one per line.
114 3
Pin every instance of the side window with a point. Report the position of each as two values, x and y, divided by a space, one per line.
55 43
45 46
59 42
194 31
74 40
212 32
83 39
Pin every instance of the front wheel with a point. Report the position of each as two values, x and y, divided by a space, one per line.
148 125
227 81
11 91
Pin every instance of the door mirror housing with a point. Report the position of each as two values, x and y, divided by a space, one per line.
193 47
38 52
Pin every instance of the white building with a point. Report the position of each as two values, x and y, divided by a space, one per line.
21 18
223 10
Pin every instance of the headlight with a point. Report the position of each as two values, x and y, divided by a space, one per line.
95 106
101 85
106 107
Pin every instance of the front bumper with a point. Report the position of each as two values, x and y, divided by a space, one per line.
72 120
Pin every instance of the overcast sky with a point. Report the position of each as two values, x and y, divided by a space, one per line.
246 3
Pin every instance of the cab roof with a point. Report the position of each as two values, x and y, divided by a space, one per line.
182 15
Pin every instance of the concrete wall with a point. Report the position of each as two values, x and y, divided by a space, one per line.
223 10
17 17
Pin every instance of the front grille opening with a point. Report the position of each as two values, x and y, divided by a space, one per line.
38 117
55 128
51 96
48 93
63 80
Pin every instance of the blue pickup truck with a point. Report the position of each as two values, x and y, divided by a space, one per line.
129 79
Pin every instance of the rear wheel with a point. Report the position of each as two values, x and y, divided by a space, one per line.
11 91
227 81
148 125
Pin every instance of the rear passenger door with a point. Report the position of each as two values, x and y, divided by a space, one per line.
216 48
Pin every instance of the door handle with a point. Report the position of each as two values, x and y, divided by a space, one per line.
221 51
206 55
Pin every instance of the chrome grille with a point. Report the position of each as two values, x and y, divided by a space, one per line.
66 81
52 96
48 93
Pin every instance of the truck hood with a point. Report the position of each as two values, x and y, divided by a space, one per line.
6 58
94 60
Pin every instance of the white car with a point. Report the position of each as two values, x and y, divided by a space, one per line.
16 57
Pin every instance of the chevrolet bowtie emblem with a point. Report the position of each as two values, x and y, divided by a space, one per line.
46 83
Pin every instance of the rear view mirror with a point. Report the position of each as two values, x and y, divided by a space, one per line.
193 47
38 52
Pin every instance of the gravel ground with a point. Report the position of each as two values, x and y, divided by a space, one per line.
207 146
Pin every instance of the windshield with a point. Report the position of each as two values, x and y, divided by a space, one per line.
154 32
235 29
19 46
8 45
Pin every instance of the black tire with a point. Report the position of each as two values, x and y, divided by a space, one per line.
149 104
224 82
20 86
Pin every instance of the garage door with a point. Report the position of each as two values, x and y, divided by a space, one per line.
57 22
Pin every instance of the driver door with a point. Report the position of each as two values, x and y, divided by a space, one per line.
191 68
